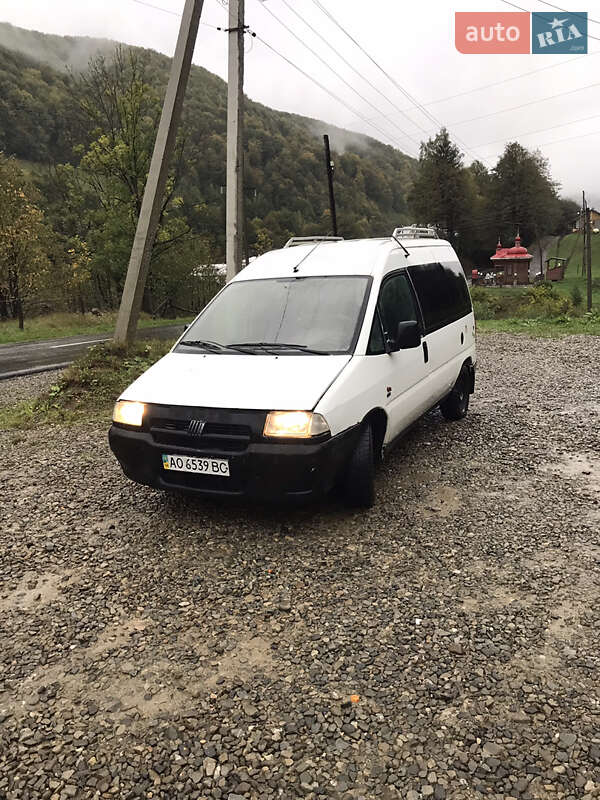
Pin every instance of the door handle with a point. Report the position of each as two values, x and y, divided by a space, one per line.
425 352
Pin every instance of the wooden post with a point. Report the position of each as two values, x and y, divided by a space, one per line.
588 250
139 261
583 227
329 165
234 201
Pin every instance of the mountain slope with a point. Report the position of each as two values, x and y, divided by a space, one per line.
59 52
286 190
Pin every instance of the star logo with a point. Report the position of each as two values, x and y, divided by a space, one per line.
551 33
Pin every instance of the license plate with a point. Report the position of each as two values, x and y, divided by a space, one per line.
219 467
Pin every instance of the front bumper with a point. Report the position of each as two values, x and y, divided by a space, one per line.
265 469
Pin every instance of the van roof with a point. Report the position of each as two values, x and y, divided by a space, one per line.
345 257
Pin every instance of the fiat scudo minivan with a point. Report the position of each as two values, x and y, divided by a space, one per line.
304 370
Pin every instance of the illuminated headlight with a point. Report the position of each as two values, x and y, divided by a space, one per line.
127 412
295 424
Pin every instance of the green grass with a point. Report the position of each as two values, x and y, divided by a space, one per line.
88 388
54 326
544 328
571 247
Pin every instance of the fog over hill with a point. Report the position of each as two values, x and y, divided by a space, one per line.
60 52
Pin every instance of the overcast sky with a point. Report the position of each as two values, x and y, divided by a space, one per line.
413 42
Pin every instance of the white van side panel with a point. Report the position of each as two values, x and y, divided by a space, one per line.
450 346
396 383
401 383
447 354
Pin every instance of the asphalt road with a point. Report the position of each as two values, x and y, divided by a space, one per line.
29 357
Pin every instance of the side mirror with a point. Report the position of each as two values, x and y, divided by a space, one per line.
408 335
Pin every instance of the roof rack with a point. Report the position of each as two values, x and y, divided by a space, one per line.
415 232
296 240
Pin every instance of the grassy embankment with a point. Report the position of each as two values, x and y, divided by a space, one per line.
54 326
556 312
88 388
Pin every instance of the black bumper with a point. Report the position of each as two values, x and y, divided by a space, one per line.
264 470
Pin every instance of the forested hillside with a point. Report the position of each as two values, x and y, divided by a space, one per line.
84 135
77 128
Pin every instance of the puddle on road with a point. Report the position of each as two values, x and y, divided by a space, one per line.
583 466
118 635
441 502
36 589
497 598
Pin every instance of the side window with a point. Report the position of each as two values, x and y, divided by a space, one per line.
432 291
396 303
376 344
461 299
442 292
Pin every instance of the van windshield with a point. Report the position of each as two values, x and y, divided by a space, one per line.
282 315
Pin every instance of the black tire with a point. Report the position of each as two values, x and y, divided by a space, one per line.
456 405
359 483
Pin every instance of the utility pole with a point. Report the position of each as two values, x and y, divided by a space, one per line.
141 251
329 165
588 258
234 201
583 227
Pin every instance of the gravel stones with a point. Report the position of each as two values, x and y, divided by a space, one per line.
441 645
16 390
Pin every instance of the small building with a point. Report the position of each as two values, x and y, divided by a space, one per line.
594 220
555 268
511 264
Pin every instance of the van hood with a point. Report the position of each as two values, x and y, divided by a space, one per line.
260 382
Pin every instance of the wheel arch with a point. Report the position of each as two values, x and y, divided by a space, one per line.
468 363
378 420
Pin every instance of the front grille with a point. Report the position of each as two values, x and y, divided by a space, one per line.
217 436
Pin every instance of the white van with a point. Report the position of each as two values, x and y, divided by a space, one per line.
304 370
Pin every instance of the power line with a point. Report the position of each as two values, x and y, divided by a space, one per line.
299 69
514 5
321 86
568 139
170 11
392 80
524 105
401 89
331 69
346 62
505 80
570 13
538 130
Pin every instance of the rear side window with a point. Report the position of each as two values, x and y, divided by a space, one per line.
442 293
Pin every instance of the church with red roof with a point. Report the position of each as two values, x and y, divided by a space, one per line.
512 262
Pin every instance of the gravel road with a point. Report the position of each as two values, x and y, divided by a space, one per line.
15 390
443 644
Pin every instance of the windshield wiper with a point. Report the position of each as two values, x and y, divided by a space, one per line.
281 346
213 347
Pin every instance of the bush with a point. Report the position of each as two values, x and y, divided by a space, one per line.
576 296
478 294
483 309
544 301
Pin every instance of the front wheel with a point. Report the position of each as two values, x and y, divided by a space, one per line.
359 484
456 405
